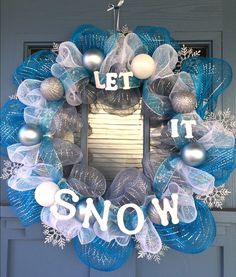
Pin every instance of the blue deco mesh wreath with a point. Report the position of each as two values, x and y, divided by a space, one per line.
35 128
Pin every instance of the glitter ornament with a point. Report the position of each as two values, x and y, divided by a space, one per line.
52 89
183 102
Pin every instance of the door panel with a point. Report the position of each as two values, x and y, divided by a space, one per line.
185 265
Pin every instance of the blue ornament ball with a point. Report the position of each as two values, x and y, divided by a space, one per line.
81 211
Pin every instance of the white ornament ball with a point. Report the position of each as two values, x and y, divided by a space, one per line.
45 193
143 66
52 89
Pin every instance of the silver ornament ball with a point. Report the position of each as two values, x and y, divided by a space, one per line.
52 89
92 59
193 154
30 134
183 102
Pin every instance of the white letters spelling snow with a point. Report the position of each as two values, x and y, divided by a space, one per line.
103 220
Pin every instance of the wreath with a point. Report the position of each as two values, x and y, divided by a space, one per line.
116 70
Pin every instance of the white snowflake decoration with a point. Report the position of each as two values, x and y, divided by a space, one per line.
149 256
226 118
13 96
185 53
9 169
125 30
54 237
215 199
55 47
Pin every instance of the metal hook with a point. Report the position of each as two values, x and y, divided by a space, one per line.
116 14
112 6
120 3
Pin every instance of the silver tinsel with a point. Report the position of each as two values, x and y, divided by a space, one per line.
149 256
215 199
54 237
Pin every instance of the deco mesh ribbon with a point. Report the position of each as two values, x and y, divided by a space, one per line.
47 115
165 172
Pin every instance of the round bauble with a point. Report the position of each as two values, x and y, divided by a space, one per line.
52 89
45 193
183 102
153 214
81 210
143 66
92 59
30 134
193 154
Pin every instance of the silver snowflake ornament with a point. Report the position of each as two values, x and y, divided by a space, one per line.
54 237
125 30
215 199
226 118
150 256
55 47
9 169
13 96
185 53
